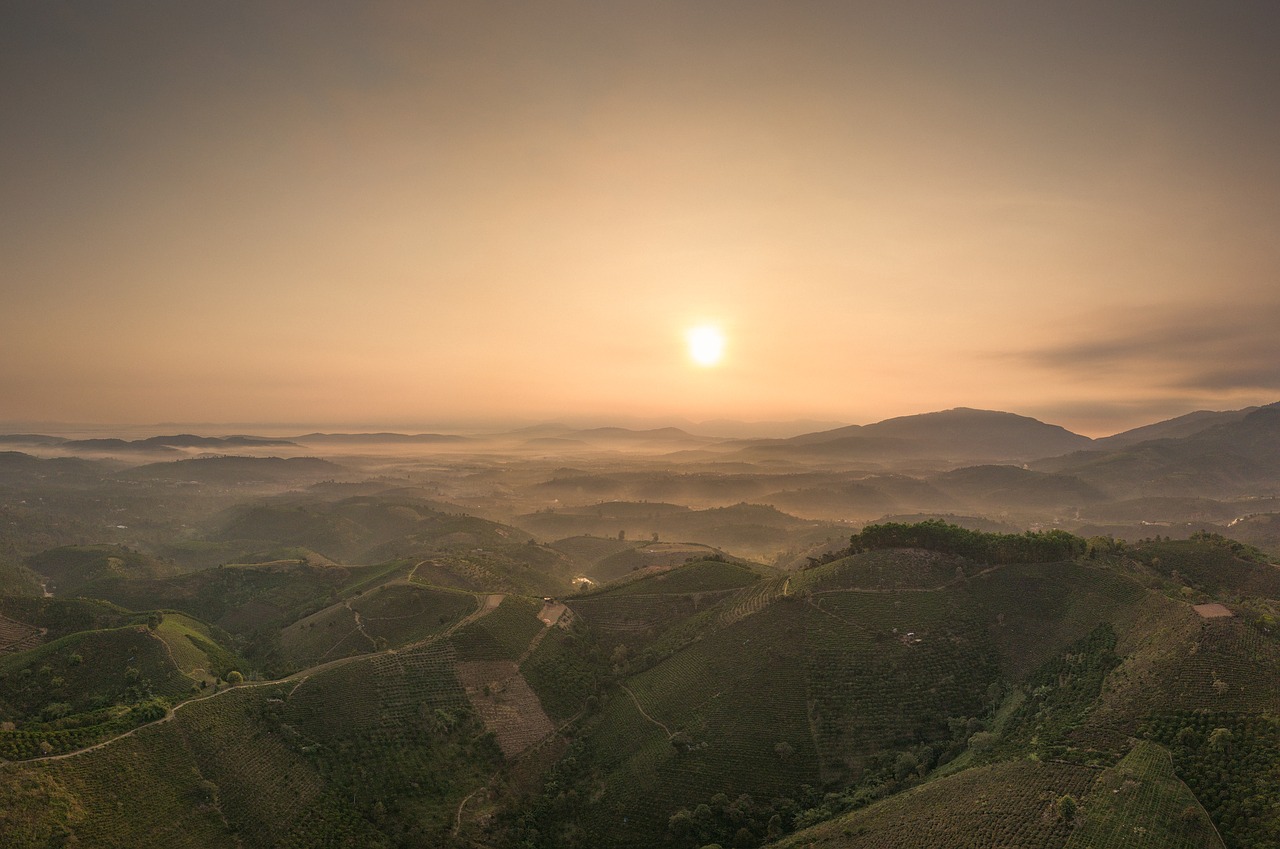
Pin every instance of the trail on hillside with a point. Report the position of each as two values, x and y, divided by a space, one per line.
485 606
665 729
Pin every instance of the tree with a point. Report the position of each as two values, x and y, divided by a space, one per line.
1220 739
981 741
905 766
234 677
1067 808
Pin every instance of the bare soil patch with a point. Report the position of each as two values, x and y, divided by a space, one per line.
551 613
1212 611
506 703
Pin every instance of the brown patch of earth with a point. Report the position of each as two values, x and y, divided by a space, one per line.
506 703
1212 611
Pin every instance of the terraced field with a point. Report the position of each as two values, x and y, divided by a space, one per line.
753 598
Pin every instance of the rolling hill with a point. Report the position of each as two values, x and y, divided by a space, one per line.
961 436
926 686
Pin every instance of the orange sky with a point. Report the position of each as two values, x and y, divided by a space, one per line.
430 212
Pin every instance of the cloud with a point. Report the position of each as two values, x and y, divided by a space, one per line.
1213 348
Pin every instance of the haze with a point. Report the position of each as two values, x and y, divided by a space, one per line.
416 212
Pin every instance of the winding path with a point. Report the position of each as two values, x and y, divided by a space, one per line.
486 604
642 712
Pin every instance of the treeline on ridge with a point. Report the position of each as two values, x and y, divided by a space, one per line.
981 546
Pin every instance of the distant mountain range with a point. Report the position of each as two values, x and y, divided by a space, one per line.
153 444
1230 455
960 435
1196 453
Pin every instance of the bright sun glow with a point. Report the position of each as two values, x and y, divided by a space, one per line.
706 345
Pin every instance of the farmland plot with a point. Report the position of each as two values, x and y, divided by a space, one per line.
503 699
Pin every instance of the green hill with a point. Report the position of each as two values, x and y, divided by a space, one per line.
75 569
929 686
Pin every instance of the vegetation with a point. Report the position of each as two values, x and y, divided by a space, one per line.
979 546
1141 803
1231 761
927 685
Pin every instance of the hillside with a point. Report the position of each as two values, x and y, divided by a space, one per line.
1238 457
749 530
926 686
1175 428
74 570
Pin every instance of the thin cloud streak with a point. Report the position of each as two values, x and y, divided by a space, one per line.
1205 348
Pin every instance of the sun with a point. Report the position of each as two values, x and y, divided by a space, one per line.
706 344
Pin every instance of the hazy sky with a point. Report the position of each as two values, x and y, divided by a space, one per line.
424 212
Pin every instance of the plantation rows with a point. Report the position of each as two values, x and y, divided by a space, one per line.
635 619
1007 806
503 634
54 738
1232 667
1033 610
675 689
884 570
1143 789
260 777
753 599
1231 761
422 679
1213 564
890 689
701 577
326 635
735 704
17 636
393 730
505 703
140 791
402 614
61 616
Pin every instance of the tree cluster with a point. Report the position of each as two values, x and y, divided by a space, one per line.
980 546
